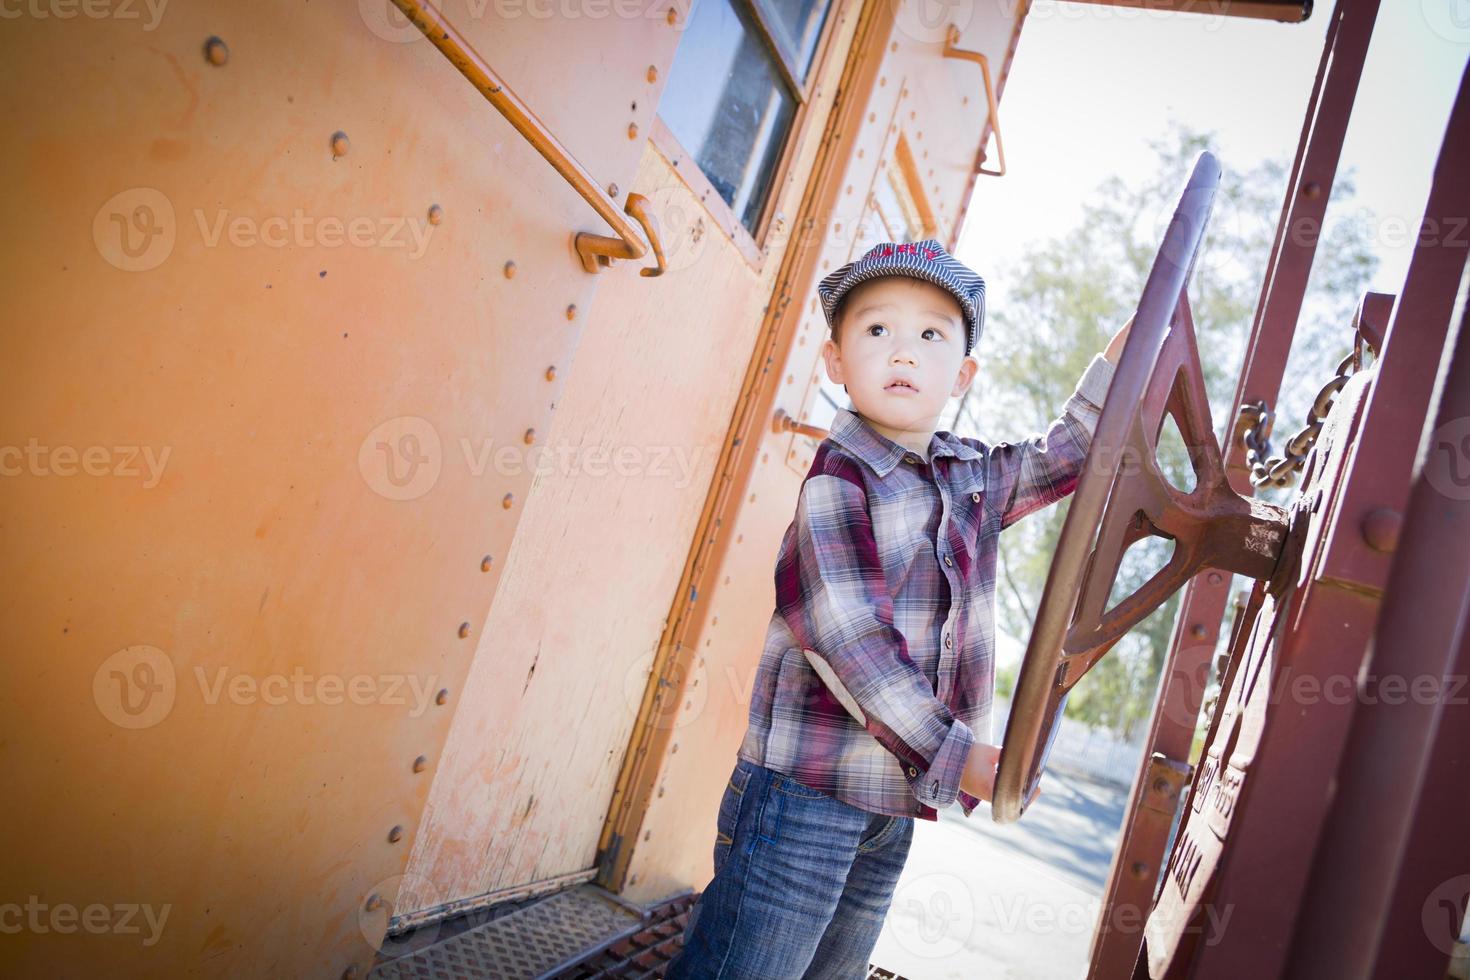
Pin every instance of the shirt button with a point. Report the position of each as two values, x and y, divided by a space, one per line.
949 641
913 771
975 497
911 458
948 560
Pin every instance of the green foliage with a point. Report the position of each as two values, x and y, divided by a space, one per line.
1064 299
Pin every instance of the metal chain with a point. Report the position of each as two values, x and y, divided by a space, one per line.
1253 426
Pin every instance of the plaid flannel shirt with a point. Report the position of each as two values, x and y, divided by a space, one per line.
878 671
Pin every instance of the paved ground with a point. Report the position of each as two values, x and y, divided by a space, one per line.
978 900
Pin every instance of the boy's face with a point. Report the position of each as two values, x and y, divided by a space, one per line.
899 327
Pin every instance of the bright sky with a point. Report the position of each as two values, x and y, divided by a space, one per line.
1091 84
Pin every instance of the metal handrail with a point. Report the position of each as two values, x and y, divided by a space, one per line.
951 38
596 251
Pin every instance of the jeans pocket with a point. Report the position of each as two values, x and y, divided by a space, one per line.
728 819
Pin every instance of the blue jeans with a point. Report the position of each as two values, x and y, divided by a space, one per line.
802 884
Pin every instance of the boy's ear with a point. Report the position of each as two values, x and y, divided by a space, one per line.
969 368
832 356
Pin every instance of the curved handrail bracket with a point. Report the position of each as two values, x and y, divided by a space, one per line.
951 38
596 251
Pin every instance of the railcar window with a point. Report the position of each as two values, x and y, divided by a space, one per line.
733 90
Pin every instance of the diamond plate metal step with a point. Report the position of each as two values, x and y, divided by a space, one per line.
524 945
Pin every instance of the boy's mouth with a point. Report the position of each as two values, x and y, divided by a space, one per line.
901 386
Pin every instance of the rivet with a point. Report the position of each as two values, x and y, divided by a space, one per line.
421 763
350 973
551 373
1198 631
340 144
529 437
216 51
652 74
674 750
671 17
442 697
1161 785
510 269
632 131
648 835
612 190
396 834
1311 189
1381 527
1139 869
1214 578
571 311
507 500
485 563
464 630
374 902
633 880
436 214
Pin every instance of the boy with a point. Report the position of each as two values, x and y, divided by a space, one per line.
871 704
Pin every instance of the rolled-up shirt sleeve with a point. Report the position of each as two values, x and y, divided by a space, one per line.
832 592
1029 474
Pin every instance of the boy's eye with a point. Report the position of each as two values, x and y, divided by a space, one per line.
875 326
936 333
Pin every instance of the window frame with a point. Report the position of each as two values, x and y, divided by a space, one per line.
772 228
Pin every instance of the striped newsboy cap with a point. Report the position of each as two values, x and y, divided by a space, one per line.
927 260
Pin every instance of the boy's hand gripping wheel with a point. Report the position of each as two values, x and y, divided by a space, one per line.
1121 496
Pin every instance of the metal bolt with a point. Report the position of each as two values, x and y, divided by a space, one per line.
485 563
442 697
612 190
510 270
529 437
464 630
1139 869
350 973
421 763
1198 631
374 902
216 51
436 214
632 131
551 373
1381 527
396 834
652 74
340 144
507 500
1311 189
1214 578
571 311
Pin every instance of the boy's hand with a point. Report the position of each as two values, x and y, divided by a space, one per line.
1115 346
978 777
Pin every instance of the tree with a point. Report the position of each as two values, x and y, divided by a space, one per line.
1068 295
